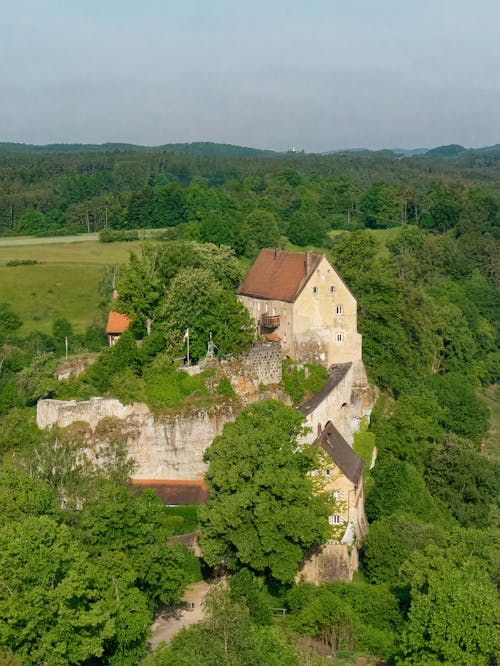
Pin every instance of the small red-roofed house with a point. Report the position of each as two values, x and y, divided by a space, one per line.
301 300
117 324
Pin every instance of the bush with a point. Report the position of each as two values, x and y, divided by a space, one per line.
300 381
117 235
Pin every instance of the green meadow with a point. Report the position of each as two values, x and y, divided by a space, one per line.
64 282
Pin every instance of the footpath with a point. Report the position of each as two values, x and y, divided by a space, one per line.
173 618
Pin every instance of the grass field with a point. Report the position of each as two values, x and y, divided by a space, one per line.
63 284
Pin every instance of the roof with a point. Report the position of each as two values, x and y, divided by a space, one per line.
279 275
272 337
349 463
337 373
176 492
117 322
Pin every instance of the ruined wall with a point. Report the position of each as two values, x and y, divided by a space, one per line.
333 562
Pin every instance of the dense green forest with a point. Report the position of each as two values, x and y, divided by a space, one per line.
83 558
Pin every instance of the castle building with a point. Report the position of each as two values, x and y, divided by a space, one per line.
299 299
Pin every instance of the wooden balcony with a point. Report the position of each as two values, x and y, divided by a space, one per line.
270 321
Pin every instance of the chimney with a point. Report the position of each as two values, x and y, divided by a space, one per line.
308 262
277 252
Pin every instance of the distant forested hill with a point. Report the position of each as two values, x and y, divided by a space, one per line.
213 187
206 148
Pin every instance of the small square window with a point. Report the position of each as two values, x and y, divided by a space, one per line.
327 472
315 290
332 289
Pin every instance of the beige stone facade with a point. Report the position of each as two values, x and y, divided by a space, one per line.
318 324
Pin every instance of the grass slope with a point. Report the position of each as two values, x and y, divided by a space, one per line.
63 284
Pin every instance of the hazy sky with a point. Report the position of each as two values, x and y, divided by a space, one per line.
315 74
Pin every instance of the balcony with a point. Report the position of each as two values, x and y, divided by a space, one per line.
270 321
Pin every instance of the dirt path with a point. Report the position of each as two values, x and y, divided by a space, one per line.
173 619
47 240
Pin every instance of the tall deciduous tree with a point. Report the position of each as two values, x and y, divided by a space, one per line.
197 302
454 611
262 513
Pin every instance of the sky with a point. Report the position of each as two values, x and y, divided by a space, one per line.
316 75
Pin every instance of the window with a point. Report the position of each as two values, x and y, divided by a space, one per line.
327 472
335 520
339 310
339 338
336 495
315 290
332 289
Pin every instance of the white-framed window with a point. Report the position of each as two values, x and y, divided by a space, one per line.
314 472
339 309
267 308
335 520
327 472
274 312
336 495
339 338
315 290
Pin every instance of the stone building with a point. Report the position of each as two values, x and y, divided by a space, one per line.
341 476
299 299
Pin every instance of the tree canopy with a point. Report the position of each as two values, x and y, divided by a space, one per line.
262 513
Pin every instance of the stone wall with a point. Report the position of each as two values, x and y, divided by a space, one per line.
260 367
332 562
348 402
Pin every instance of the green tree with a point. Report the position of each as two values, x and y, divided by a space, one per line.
454 612
197 302
9 321
262 513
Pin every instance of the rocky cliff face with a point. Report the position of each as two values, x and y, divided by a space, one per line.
163 446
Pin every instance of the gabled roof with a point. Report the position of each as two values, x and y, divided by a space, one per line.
279 275
117 323
176 492
349 463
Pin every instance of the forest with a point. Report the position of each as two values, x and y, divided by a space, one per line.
83 558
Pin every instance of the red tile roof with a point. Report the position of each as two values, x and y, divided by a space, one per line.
117 323
176 492
279 275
